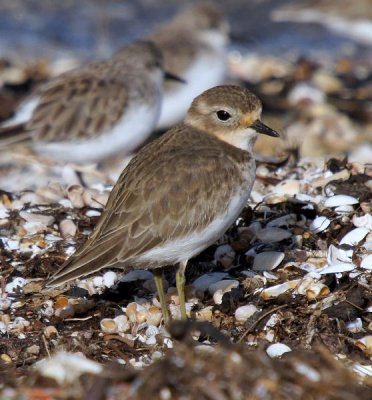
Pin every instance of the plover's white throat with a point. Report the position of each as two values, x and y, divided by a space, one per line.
194 47
96 111
180 193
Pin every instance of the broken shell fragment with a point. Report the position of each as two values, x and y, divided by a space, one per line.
109 325
275 291
365 344
366 262
44 220
336 255
277 350
340 200
218 289
242 313
355 236
122 323
109 278
363 221
320 224
355 326
273 235
205 281
267 260
336 268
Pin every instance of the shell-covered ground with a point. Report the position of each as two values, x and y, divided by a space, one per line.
280 307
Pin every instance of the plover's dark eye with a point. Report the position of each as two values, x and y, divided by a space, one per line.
223 115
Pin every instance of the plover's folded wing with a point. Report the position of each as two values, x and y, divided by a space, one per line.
168 192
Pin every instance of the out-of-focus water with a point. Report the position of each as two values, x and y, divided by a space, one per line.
94 28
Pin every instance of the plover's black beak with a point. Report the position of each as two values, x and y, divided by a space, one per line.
260 127
172 77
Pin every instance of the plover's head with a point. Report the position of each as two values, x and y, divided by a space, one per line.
206 20
144 55
231 113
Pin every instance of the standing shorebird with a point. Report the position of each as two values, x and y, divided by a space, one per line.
193 44
179 194
96 111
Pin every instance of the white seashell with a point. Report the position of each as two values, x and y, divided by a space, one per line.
151 341
365 344
52 238
136 275
122 323
65 203
66 368
320 224
5 303
277 350
366 262
355 236
34 227
67 228
242 313
98 281
336 255
344 210
267 261
224 286
3 328
93 213
4 212
306 370
363 221
217 296
205 281
287 187
45 220
109 278
15 284
151 330
285 220
368 245
336 268
273 235
256 197
109 325
355 326
275 291
340 200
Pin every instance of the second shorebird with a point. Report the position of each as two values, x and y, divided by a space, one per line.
194 45
179 194
96 111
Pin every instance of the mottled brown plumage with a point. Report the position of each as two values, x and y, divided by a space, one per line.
179 193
